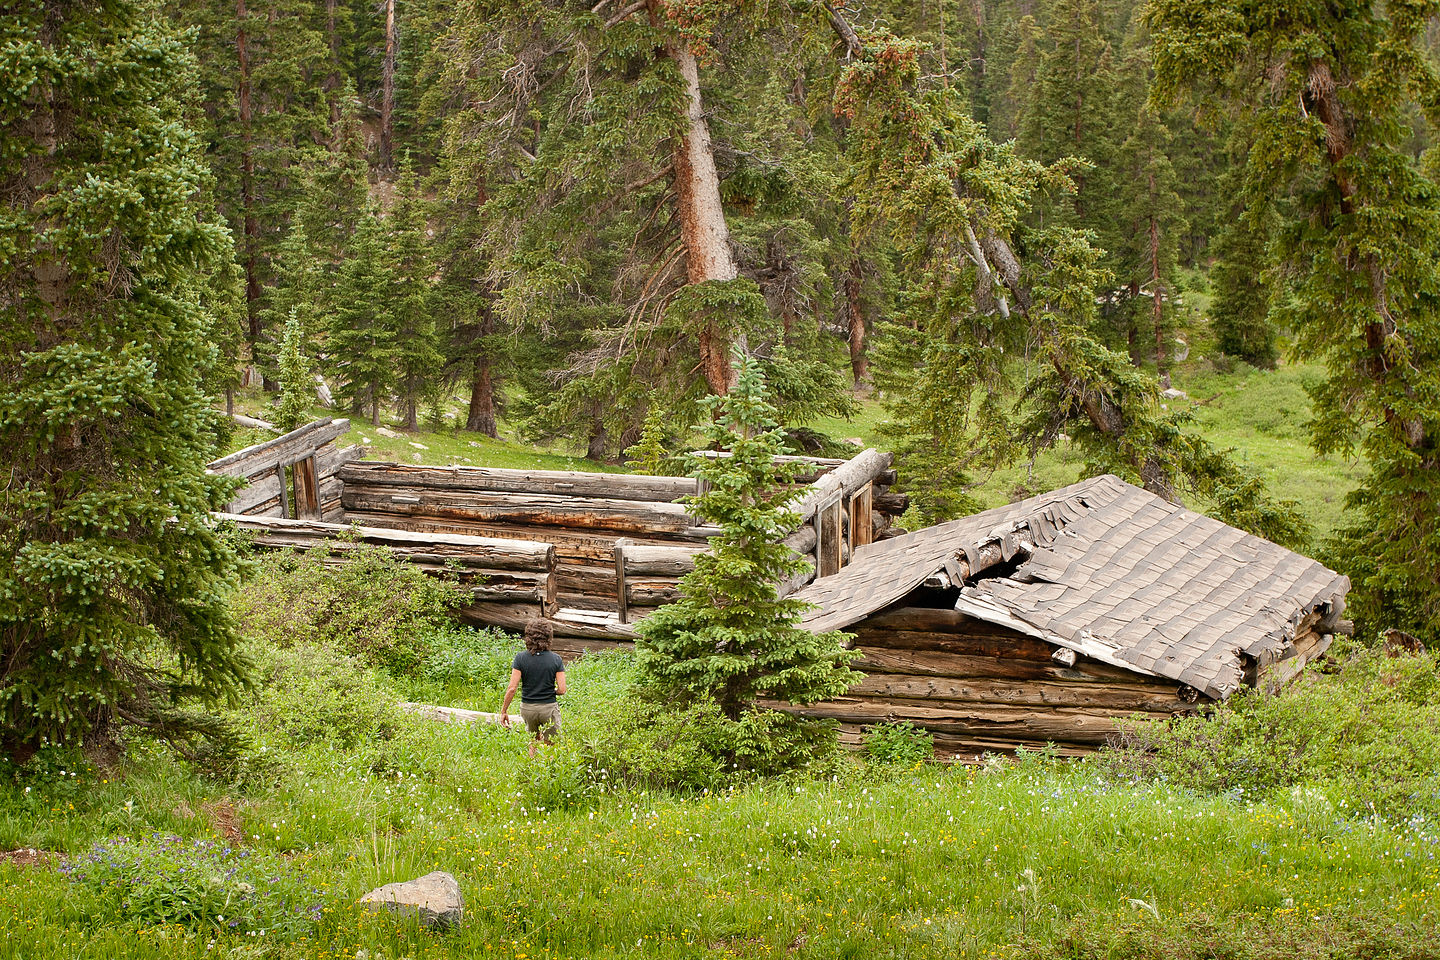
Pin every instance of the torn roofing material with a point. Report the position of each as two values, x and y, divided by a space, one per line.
1112 572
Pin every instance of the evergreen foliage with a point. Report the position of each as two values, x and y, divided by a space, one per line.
364 324
296 378
112 578
731 637
1327 92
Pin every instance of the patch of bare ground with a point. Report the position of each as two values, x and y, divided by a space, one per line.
29 857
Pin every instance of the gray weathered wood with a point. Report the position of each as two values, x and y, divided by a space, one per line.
295 445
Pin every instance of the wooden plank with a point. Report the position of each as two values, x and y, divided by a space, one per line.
605 486
829 551
861 521
259 494
595 547
620 599
926 664
329 459
295 445
307 493
284 481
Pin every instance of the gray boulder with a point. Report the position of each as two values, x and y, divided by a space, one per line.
435 898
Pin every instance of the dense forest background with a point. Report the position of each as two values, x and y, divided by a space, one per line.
984 214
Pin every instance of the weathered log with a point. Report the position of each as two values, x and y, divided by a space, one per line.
943 691
606 486
455 714
925 664
330 460
258 495
586 579
1071 725
593 547
283 450
617 516
511 616
892 503
845 479
650 593
974 641
253 422
465 550
644 560
513 587
802 541
969 749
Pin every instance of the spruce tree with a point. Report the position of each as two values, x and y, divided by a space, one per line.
113 580
730 637
1327 90
363 325
297 383
418 358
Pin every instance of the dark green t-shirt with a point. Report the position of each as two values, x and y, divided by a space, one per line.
537 675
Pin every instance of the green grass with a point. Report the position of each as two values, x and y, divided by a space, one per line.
939 862
446 446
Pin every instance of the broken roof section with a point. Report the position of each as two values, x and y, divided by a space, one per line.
1110 571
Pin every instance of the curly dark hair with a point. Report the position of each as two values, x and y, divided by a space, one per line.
538 634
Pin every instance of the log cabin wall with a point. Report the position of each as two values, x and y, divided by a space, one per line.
292 476
977 687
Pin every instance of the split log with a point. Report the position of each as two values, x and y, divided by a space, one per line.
282 451
253 423
605 486
455 714
330 460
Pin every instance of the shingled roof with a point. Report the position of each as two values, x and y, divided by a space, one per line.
1112 572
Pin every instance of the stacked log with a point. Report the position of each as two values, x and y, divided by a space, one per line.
511 579
978 687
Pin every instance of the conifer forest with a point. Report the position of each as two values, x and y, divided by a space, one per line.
645 320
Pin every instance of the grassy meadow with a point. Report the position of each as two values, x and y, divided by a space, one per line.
1293 844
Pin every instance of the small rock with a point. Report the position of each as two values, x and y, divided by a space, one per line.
1174 394
435 898
418 446
387 432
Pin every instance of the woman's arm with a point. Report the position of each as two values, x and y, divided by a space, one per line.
509 695
559 683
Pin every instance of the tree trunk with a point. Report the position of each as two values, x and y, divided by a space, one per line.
858 367
412 418
374 409
230 401
481 416
387 90
1158 308
332 79
702 218
595 448
247 177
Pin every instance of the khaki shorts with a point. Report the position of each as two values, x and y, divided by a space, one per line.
542 719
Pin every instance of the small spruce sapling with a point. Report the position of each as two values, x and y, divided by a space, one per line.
296 378
731 637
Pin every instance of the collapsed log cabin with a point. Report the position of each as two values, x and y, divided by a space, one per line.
613 546
1046 621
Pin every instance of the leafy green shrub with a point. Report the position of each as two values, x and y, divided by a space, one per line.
900 744
1368 735
164 879
642 745
366 602
311 693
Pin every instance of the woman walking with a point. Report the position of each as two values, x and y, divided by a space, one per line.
540 676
